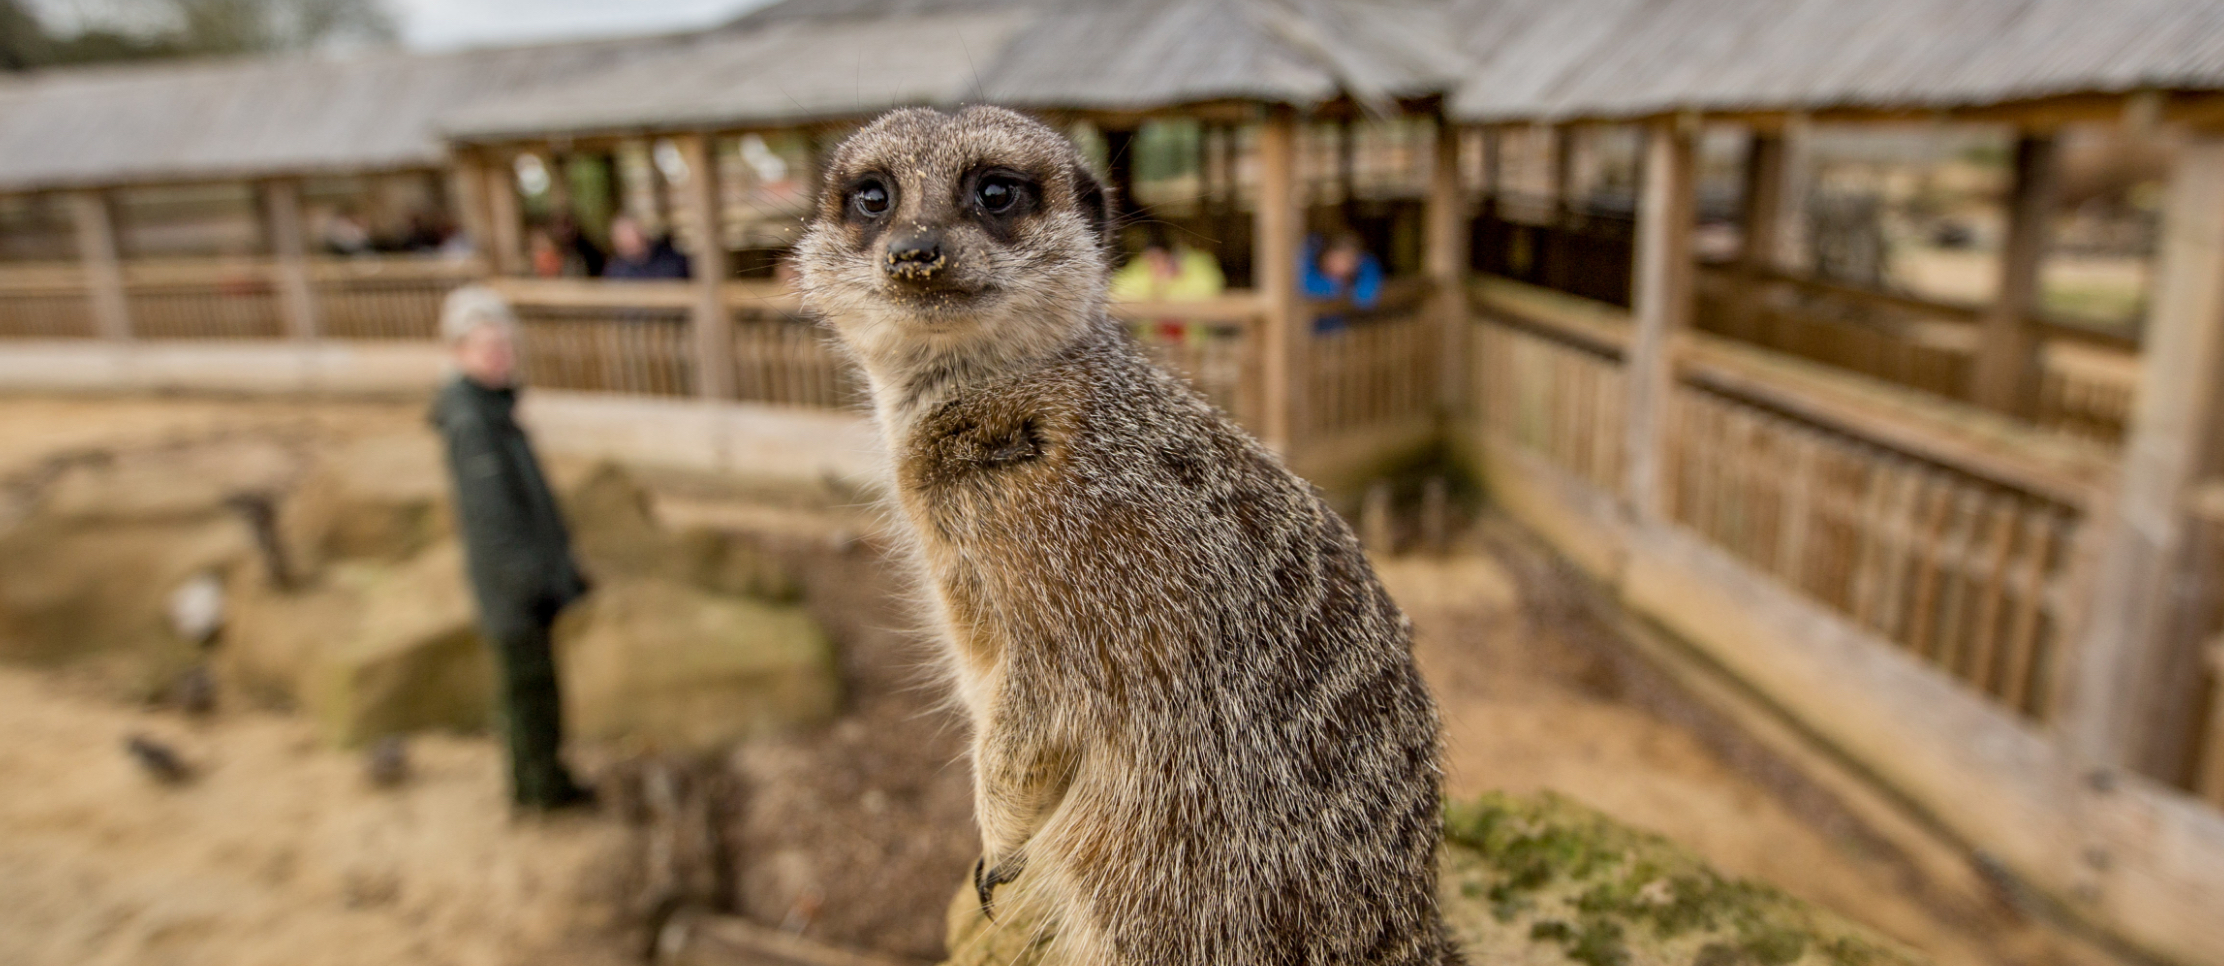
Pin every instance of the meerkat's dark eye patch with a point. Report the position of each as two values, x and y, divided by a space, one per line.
871 196
998 196
1090 196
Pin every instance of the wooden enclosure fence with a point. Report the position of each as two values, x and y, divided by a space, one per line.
234 299
1959 572
385 299
2084 381
1377 369
1951 547
1555 395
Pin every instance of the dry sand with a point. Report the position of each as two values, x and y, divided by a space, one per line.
281 854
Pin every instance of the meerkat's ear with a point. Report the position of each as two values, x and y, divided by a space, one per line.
1095 203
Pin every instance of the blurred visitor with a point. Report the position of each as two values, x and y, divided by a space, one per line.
515 544
345 234
1340 270
546 259
633 254
582 257
1169 272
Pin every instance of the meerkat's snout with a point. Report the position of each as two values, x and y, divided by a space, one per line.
915 255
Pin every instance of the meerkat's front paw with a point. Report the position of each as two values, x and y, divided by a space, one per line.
986 878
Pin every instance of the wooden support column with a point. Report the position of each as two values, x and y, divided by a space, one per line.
1764 203
2128 661
1446 257
98 254
1791 203
289 250
1661 306
1562 171
467 195
506 216
712 323
2007 347
1275 240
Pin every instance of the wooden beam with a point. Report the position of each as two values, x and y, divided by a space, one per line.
104 271
712 324
1764 201
1275 244
467 195
1661 306
2007 349
1798 162
289 248
506 228
1446 256
2124 658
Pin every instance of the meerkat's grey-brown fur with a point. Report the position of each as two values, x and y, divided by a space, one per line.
1198 734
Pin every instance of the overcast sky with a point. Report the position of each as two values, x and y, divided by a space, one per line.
445 24
440 24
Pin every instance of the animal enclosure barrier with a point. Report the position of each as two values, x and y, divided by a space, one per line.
1955 550
2083 385
1962 573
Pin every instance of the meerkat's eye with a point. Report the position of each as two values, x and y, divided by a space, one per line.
997 193
870 197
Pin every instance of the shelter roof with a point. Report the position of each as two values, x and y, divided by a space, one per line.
1560 59
813 59
257 118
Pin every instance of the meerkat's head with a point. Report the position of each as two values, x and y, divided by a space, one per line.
956 242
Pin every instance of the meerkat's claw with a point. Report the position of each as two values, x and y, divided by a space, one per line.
985 879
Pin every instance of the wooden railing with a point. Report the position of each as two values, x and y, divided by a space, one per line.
1961 571
2205 583
592 336
235 298
1942 531
2086 378
1211 342
386 298
783 357
1378 367
44 301
1558 397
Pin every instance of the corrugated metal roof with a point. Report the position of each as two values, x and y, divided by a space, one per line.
818 58
778 73
809 59
248 118
1545 59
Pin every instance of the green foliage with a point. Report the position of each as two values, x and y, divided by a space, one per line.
198 28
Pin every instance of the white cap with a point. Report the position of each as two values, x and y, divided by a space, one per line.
470 307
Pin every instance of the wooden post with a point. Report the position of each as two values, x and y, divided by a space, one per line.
467 194
97 252
2007 350
712 324
1791 203
297 293
2127 658
1562 171
1661 306
1274 272
506 231
1764 203
1446 256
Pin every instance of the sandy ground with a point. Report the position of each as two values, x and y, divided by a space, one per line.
280 852
277 852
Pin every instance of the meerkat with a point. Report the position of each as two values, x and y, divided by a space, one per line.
1198 736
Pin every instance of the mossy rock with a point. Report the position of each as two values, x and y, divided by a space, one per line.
672 667
1538 879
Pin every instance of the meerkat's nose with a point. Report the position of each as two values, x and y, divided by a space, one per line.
915 255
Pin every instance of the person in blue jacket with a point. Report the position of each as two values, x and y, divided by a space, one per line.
1339 269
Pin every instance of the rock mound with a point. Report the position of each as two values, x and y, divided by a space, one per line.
1537 880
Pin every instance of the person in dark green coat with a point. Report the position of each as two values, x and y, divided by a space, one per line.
517 548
